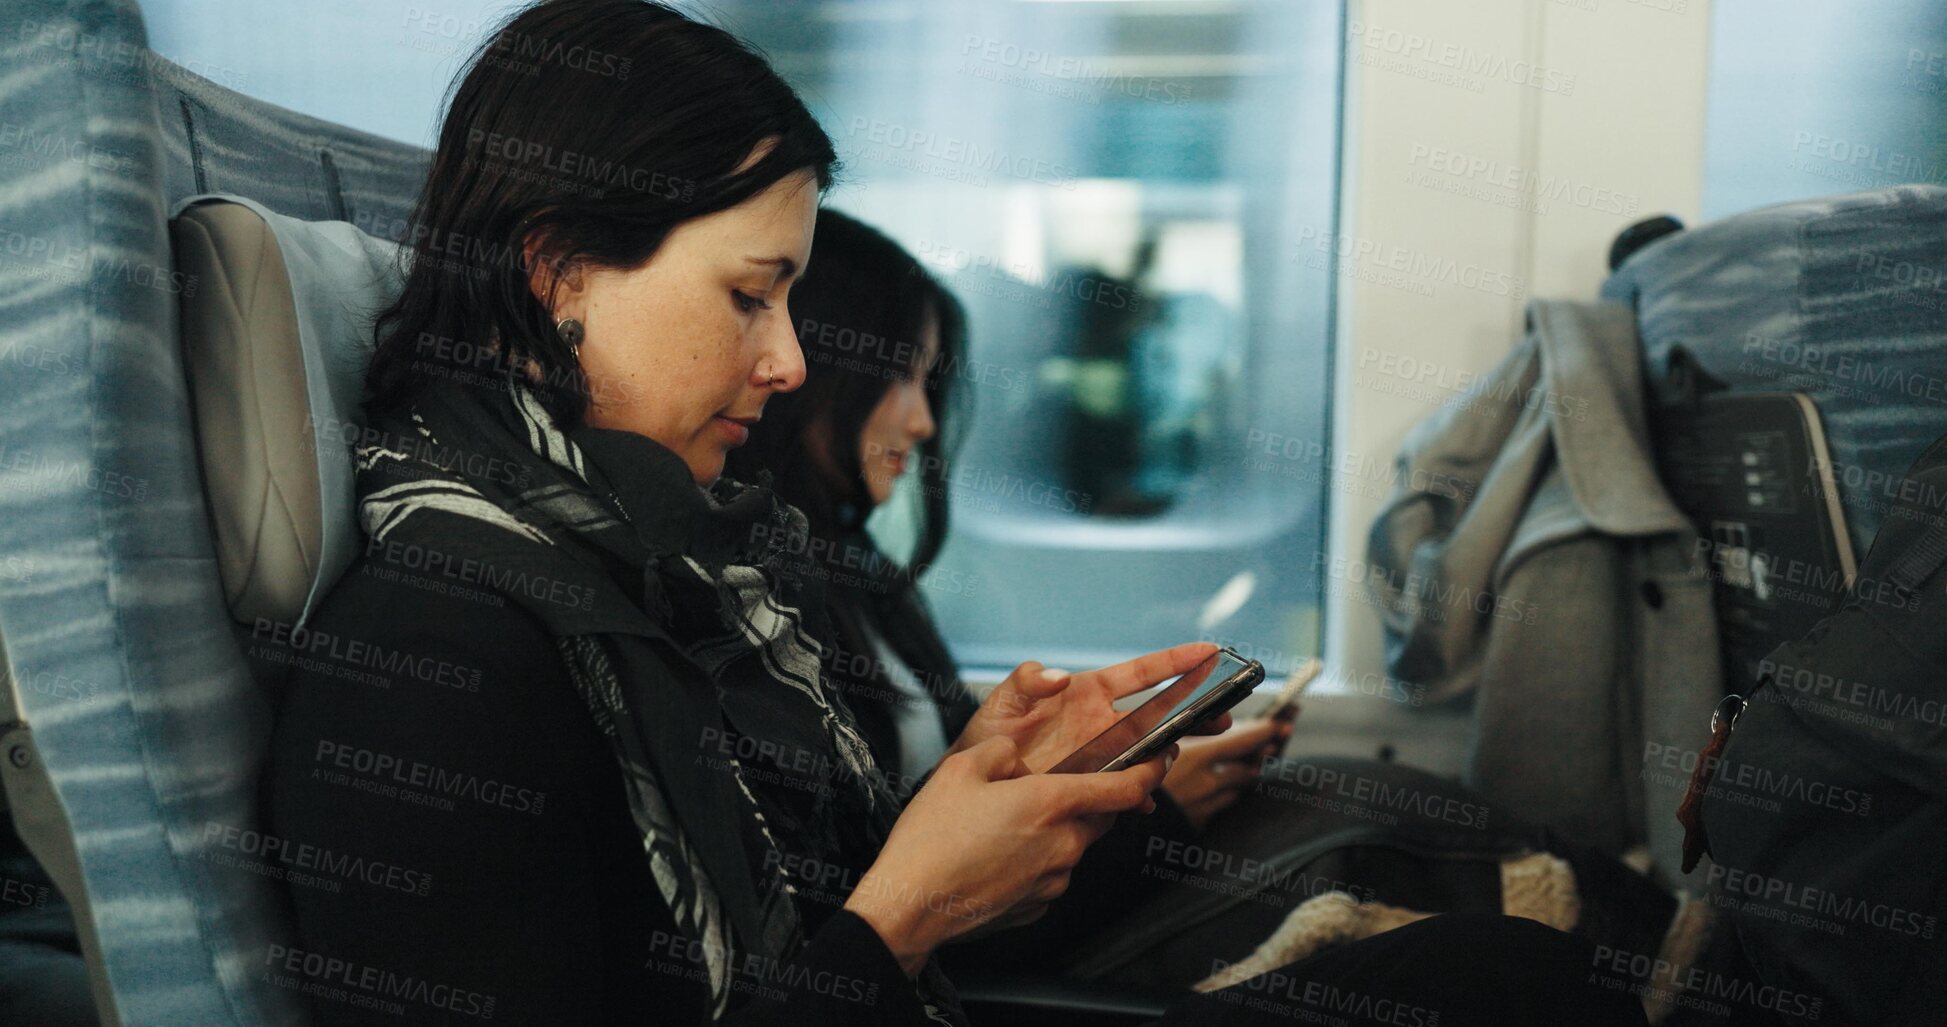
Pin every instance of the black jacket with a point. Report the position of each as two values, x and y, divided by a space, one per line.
466 849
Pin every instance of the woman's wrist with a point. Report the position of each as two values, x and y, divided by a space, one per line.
904 926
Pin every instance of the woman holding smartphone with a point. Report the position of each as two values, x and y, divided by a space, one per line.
604 780
885 346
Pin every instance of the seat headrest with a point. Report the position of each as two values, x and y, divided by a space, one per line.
276 341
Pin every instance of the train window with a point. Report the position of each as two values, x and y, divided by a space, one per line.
378 65
1810 99
1124 193
1135 199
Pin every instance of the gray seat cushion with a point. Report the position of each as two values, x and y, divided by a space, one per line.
276 338
246 378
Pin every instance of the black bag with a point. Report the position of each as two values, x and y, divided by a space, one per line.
1827 813
1385 835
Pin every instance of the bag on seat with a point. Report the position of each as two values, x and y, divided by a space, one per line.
1325 851
1827 810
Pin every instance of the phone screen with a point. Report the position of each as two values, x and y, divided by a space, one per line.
1174 697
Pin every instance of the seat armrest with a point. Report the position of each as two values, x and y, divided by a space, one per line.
1028 1000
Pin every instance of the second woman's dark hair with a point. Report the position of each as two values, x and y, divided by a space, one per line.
593 127
860 311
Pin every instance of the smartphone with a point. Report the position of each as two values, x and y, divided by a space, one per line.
1285 707
1213 686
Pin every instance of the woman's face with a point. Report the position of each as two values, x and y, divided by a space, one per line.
687 348
902 420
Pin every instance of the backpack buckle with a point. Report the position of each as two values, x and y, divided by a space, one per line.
1724 717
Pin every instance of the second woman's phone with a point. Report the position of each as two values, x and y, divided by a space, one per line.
1285 707
1213 686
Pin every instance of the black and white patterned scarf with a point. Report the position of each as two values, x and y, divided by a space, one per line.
690 634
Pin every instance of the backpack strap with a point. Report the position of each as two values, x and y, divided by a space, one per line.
1924 555
1922 558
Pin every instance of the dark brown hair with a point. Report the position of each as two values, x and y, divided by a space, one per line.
596 126
860 310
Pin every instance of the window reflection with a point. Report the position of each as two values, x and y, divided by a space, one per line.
1116 189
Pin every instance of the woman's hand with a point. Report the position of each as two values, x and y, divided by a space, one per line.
1050 713
988 842
1213 773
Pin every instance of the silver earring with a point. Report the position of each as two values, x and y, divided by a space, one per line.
570 331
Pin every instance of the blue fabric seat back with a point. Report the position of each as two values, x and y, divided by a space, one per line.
135 712
1843 298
